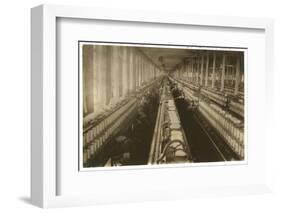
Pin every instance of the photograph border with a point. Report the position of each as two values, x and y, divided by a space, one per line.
176 165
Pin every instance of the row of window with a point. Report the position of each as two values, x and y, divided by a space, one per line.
112 72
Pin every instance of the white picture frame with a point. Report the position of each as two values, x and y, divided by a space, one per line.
44 168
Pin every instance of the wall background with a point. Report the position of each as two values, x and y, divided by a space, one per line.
15 105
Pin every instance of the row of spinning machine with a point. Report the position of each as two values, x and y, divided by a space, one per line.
224 113
169 144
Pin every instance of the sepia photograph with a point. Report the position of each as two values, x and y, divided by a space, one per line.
146 104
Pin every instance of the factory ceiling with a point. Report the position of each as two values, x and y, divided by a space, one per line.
167 58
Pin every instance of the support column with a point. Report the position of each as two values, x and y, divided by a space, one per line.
192 76
145 71
197 70
214 71
128 62
124 71
115 73
182 71
184 68
136 64
194 71
134 70
150 72
120 65
141 73
223 71
131 69
189 70
139 70
102 76
126 77
95 61
108 74
237 75
202 69
207 70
